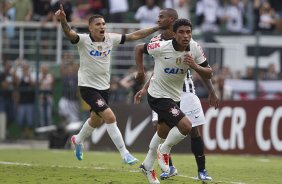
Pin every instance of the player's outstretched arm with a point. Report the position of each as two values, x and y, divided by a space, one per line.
142 33
61 15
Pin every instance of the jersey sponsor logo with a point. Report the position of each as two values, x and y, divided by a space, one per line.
174 111
153 45
175 70
97 53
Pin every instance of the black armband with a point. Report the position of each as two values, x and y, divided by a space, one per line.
204 64
146 48
123 37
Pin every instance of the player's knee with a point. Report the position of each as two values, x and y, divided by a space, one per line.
194 132
155 125
184 126
108 116
95 121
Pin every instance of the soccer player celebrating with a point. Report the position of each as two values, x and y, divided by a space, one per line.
172 61
94 77
190 103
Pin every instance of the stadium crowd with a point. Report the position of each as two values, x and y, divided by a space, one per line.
19 87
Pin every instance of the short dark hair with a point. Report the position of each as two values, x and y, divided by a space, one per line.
171 12
181 22
93 17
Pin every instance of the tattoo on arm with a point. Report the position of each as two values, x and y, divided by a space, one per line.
66 28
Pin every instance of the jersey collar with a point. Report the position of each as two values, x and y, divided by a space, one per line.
174 44
93 40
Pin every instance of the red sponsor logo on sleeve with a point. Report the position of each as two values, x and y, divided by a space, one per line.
153 45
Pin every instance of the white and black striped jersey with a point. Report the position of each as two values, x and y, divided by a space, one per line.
95 59
188 85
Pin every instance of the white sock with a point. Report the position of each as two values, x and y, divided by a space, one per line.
152 153
173 138
116 137
84 132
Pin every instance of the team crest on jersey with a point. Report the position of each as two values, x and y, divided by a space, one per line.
100 48
174 111
100 103
178 61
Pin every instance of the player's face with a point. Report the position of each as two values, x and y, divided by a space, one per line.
183 36
164 20
97 29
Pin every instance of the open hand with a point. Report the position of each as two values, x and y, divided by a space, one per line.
138 95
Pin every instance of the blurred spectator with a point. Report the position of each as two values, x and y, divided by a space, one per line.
147 14
42 10
265 17
45 95
249 16
233 16
26 101
117 93
83 9
181 6
24 9
10 15
118 10
69 101
18 10
277 5
249 75
223 91
208 14
271 73
7 92
226 73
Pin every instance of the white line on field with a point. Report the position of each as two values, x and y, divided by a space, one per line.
14 163
103 168
195 178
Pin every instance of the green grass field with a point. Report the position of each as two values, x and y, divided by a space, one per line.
61 167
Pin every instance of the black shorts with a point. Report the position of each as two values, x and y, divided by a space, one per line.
168 110
96 99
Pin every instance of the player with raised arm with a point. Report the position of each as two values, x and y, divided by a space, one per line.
172 59
94 77
190 103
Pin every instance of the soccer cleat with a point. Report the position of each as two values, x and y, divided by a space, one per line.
163 160
78 148
172 172
129 159
203 175
151 175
